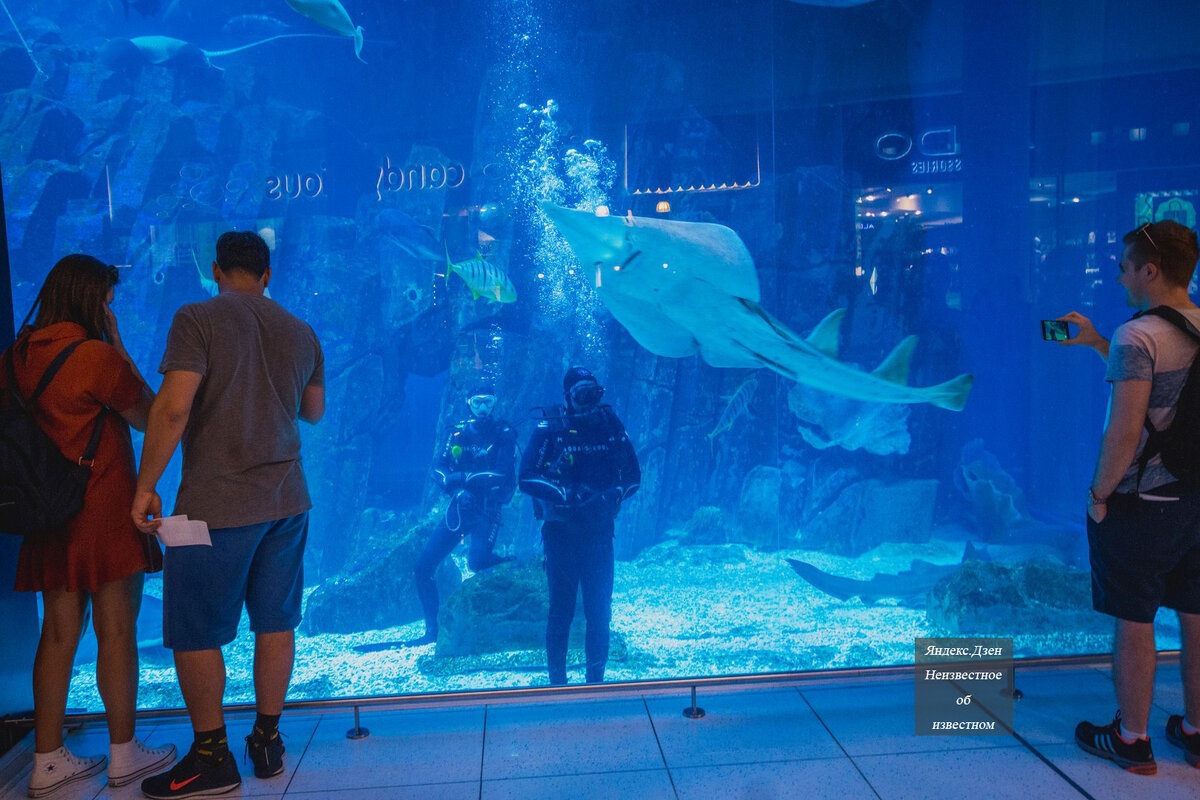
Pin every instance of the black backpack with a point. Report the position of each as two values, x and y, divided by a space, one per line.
40 489
1179 442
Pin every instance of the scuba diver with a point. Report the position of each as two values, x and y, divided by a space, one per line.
579 468
477 468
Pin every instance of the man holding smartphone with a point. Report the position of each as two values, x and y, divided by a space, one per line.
1143 522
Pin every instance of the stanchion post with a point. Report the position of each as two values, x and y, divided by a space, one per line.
358 731
693 711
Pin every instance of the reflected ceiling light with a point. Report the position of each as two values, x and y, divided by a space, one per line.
1074 199
917 213
858 271
601 211
870 198
663 207
1137 134
929 190
541 274
268 236
883 213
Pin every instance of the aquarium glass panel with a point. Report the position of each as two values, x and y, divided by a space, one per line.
802 251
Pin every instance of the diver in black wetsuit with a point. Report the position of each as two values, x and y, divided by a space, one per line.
578 468
476 467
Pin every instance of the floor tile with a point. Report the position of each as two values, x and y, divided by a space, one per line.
468 790
879 718
995 773
569 738
821 778
1053 702
405 748
1103 780
740 727
642 784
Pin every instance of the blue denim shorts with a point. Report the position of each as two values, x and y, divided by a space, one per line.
259 566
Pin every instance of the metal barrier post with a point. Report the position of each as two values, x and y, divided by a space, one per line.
358 731
693 711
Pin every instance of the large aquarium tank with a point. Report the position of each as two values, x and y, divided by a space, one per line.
804 246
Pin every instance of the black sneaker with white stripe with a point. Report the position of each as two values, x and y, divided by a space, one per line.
1105 741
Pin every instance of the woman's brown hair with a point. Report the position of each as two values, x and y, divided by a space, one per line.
76 290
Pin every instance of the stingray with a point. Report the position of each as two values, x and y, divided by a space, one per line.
331 14
682 288
166 49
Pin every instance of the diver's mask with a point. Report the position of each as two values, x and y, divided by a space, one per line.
585 394
481 405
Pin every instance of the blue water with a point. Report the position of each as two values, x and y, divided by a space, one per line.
950 175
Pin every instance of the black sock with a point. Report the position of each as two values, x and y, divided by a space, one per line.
212 745
266 726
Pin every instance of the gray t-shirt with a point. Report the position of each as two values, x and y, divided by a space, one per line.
1151 349
241 448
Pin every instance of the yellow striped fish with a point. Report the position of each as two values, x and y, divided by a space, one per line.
483 278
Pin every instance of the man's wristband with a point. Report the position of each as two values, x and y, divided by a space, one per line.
1094 500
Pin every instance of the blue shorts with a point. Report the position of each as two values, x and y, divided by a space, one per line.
204 588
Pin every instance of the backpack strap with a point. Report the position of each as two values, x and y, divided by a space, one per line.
29 406
1175 317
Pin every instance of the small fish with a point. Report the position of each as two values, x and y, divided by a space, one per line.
483 278
739 403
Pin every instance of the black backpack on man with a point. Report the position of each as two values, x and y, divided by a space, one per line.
1179 442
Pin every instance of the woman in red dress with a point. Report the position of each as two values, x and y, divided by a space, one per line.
99 556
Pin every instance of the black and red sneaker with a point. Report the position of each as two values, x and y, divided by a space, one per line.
195 776
1105 741
266 753
1188 742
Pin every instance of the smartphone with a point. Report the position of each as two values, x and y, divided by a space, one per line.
1055 331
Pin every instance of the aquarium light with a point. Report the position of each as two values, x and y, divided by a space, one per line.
601 211
663 207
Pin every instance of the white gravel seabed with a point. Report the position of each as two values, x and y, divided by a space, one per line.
690 616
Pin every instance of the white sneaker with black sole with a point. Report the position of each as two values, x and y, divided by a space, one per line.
52 771
133 760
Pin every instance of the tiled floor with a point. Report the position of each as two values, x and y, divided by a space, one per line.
841 741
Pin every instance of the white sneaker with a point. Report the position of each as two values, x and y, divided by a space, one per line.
133 760
52 771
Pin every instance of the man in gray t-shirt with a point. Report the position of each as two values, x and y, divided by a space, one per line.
238 373
1143 523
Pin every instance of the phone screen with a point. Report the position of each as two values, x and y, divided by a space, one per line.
1055 331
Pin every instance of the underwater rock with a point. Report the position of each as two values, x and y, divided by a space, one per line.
998 502
707 526
498 610
375 588
827 420
869 513
758 507
986 598
825 488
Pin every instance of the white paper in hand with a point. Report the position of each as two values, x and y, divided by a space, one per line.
179 531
